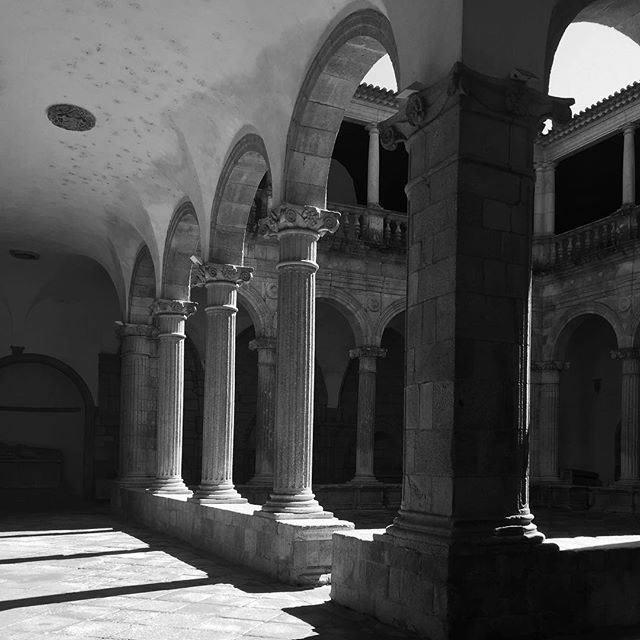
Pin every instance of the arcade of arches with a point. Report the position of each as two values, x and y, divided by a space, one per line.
277 356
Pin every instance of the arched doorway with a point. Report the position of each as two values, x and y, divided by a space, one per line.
47 418
589 436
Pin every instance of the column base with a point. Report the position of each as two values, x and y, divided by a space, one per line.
627 483
364 480
169 486
284 506
262 480
217 494
423 529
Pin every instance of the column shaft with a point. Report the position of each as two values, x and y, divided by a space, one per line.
629 167
265 410
629 436
365 431
549 215
373 167
298 230
171 316
222 283
137 427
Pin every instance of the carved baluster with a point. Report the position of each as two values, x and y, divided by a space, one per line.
386 235
358 228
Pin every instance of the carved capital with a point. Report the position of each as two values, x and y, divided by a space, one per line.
511 97
262 343
184 308
306 218
124 330
550 365
628 353
210 272
367 352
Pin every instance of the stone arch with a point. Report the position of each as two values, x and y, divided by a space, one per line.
142 292
243 171
388 314
183 241
619 14
350 308
261 315
344 58
18 357
564 328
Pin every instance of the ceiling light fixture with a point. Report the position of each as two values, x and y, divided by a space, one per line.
21 254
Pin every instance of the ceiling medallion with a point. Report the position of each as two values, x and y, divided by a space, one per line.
22 254
71 117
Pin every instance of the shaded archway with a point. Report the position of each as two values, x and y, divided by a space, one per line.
142 293
387 463
243 172
183 241
345 57
589 397
44 403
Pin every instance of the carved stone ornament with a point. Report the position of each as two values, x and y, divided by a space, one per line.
550 365
367 352
628 353
124 330
71 117
210 272
507 96
184 308
289 216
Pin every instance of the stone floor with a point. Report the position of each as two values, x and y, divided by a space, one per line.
83 574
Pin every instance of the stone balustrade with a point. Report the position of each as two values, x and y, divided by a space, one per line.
588 242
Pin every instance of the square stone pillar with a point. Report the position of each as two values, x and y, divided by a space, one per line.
464 514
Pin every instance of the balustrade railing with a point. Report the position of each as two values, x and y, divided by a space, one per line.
589 242
370 226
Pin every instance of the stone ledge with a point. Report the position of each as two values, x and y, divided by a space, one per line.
296 552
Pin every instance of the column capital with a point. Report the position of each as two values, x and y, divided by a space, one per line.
263 342
165 307
372 128
627 353
306 218
367 352
510 96
210 272
550 365
629 128
125 329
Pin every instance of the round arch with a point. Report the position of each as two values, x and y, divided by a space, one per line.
564 327
18 357
246 165
619 14
352 310
142 292
388 314
261 315
344 58
183 241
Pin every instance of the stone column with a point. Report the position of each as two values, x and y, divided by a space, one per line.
629 167
221 282
265 410
298 230
171 316
629 437
137 424
465 478
545 432
373 167
365 433
549 199
539 201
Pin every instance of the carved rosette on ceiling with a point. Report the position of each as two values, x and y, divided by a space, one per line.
511 97
124 330
367 352
210 272
306 218
163 306
71 117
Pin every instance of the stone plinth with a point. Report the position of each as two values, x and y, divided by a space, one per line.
296 552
